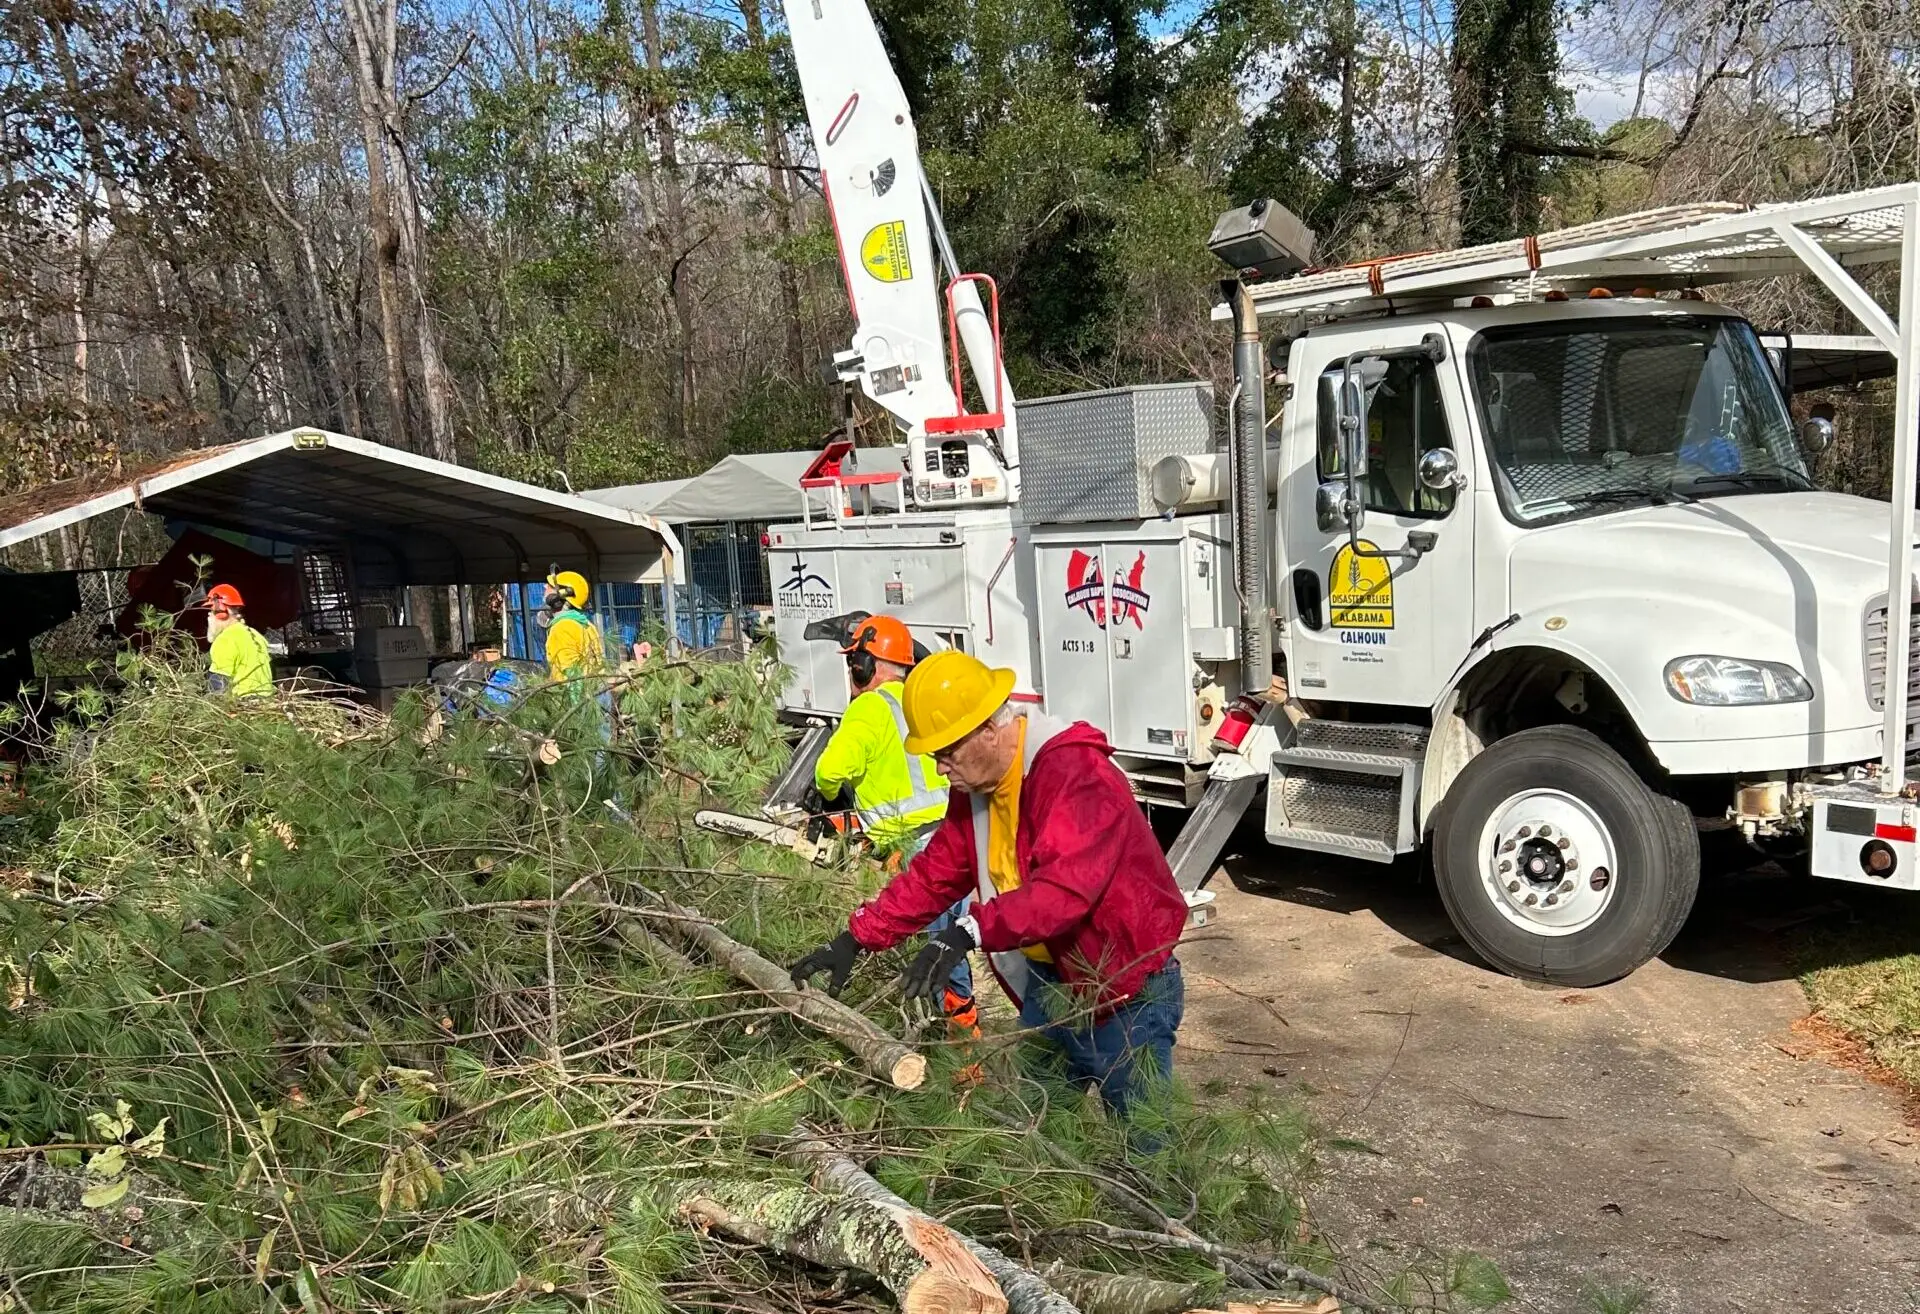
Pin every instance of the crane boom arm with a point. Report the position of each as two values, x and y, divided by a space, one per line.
896 260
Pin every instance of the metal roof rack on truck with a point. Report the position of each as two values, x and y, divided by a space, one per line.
1676 247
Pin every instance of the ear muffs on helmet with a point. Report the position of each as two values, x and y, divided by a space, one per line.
861 664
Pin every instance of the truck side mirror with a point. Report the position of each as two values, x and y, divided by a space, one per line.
1350 405
1353 424
1816 431
1335 508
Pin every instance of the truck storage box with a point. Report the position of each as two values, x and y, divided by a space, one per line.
1089 456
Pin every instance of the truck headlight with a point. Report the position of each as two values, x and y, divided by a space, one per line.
1735 682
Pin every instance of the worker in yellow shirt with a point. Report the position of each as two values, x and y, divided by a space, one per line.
238 663
899 796
575 646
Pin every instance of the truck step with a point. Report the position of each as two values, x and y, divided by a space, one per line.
1356 743
1346 788
1197 847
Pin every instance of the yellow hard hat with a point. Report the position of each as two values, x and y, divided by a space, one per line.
948 696
572 583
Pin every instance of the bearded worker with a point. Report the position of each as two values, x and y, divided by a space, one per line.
238 663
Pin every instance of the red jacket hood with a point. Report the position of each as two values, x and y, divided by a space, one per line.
1063 734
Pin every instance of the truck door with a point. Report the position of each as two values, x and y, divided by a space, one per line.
1364 627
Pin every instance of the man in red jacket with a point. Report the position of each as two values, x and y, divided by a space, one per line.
1073 901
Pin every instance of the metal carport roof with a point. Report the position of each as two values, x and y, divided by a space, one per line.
405 519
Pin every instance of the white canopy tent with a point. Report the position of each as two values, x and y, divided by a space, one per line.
761 486
750 487
639 498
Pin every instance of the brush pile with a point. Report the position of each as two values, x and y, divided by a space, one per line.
308 1008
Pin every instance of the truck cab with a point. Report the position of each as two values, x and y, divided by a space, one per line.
1569 552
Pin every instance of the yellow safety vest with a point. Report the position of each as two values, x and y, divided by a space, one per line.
899 793
240 661
574 646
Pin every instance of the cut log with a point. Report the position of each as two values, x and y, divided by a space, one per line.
836 1171
920 1261
881 1054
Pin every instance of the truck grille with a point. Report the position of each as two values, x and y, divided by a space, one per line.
1877 665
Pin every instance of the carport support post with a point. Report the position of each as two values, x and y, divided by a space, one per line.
667 601
733 583
1893 766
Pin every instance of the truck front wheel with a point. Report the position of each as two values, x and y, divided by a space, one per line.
1557 863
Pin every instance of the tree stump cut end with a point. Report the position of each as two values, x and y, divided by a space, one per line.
909 1071
954 1282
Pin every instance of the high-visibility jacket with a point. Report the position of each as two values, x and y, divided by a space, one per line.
574 646
898 793
238 662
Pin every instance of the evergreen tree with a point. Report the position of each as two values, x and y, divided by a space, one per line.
1506 97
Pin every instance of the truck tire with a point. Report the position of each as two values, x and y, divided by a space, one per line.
1557 863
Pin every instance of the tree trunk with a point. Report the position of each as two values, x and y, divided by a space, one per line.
335 388
434 382
882 1055
82 394
780 189
652 947
1345 150
673 205
920 1261
836 1172
180 358
373 50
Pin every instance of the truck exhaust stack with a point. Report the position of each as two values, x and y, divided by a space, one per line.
1247 448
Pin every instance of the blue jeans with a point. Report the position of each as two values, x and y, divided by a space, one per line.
1129 1052
961 978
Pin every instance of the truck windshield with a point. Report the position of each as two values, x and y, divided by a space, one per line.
1589 417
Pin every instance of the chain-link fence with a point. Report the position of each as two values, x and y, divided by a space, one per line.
90 636
726 586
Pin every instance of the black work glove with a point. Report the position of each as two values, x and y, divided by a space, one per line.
926 977
835 958
818 804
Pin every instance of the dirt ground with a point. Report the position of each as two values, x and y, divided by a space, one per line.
1672 1132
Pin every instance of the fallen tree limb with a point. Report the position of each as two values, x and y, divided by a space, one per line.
920 1261
884 1056
1125 1293
1300 1277
651 946
835 1170
1119 1193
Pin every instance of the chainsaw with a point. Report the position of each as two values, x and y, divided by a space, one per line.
819 839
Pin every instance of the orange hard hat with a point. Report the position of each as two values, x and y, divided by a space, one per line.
884 637
223 595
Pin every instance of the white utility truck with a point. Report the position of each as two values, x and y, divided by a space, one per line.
1514 559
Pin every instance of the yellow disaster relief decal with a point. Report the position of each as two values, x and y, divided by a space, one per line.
1361 589
884 252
